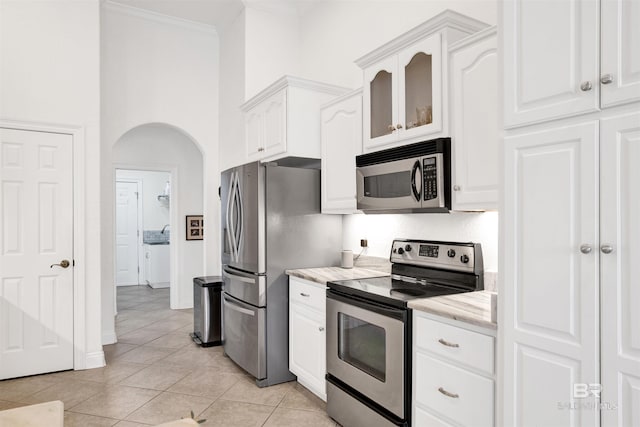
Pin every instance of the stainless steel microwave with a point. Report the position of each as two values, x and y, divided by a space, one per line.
411 178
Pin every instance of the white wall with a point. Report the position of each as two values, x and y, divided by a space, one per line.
49 74
232 88
168 149
272 48
155 214
380 230
333 34
157 69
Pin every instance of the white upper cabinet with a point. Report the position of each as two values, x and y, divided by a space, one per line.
282 120
555 72
474 121
620 52
404 94
341 135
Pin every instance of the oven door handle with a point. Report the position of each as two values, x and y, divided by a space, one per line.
394 313
414 188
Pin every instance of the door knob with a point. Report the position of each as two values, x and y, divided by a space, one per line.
585 86
64 264
606 249
606 79
586 249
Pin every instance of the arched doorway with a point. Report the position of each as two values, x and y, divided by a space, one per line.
158 148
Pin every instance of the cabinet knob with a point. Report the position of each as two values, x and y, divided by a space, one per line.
586 249
260 149
606 79
392 128
606 249
456 188
585 86
321 328
398 126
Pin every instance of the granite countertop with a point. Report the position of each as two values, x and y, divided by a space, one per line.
469 307
323 275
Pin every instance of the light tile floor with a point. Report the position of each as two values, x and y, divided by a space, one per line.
155 374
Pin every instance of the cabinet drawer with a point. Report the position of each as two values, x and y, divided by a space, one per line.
424 418
460 395
469 348
307 293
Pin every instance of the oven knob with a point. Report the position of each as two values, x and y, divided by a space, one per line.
451 253
407 248
464 259
400 251
395 250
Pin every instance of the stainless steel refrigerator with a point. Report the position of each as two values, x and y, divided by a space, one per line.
271 222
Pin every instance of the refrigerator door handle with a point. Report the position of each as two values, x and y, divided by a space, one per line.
232 237
239 278
228 215
228 303
240 208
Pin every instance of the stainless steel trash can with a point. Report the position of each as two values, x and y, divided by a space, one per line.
207 310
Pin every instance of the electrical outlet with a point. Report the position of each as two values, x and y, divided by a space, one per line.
364 243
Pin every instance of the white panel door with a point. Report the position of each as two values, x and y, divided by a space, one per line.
551 303
620 51
380 105
341 136
36 213
307 355
254 129
550 50
474 112
127 234
620 230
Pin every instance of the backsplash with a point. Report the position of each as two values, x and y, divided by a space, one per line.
155 236
380 230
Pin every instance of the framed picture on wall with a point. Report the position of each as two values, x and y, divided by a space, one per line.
195 227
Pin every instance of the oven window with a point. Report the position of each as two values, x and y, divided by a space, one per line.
362 344
389 185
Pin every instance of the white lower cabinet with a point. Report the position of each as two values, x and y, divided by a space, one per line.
307 321
453 373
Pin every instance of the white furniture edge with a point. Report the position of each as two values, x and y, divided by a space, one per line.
290 81
341 98
473 38
445 19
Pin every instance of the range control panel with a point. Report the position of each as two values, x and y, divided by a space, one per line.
465 257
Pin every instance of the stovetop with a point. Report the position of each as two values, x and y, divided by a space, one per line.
420 269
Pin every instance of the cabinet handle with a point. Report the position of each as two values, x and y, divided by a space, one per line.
260 149
321 328
606 79
606 249
398 126
392 128
304 295
456 188
586 249
586 86
448 344
446 393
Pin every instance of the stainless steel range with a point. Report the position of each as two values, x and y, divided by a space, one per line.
369 329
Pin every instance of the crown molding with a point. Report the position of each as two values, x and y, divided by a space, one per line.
290 81
161 18
447 19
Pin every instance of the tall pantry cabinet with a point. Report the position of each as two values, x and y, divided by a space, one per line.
569 291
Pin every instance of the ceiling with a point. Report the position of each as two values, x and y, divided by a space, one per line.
217 12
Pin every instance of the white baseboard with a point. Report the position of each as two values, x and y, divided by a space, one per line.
95 360
109 338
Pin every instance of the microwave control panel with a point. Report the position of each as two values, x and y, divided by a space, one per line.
430 176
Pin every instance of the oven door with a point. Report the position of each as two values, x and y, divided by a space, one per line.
366 349
390 186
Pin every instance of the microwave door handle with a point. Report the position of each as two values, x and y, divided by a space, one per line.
414 189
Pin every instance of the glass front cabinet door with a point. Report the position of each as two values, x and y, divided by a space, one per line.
403 95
